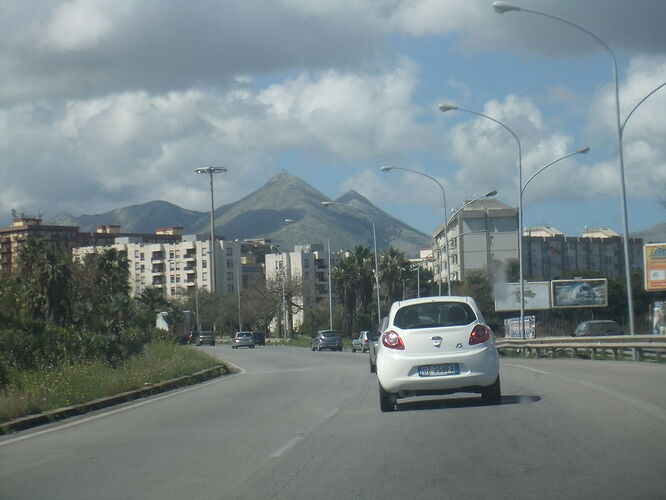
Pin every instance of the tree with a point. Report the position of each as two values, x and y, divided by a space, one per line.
45 278
101 292
393 267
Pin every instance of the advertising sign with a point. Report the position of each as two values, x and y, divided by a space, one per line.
536 295
512 327
580 293
659 318
654 256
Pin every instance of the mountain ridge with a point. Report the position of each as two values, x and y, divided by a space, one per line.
286 210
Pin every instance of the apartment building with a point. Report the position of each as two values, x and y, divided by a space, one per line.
482 237
307 264
549 254
64 238
177 267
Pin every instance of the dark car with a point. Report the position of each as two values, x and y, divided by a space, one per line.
326 339
206 338
597 328
259 338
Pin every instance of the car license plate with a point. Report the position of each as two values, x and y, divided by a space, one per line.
438 370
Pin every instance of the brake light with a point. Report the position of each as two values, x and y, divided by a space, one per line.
392 340
480 334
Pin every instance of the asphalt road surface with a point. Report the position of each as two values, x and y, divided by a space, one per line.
296 424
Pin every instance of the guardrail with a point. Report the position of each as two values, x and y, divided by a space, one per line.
637 347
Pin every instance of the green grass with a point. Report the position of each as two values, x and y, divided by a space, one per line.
47 388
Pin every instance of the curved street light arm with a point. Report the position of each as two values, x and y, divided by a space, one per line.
580 151
637 105
446 235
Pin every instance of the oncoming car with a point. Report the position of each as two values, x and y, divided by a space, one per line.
435 346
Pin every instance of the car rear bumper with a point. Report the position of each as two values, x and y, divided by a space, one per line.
398 373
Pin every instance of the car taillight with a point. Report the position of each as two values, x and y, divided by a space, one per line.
392 340
480 334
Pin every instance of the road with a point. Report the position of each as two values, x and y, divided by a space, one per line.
296 424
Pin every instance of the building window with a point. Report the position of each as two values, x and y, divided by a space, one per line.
204 264
171 254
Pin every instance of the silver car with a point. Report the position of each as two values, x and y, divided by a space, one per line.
243 339
374 345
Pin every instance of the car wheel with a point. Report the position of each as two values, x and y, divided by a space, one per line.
493 393
387 400
373 368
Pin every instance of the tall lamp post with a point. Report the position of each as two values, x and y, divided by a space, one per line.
374 240
447 107
501 8
210 171
446 226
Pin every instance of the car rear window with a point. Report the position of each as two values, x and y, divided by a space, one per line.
330 335
434 314
373 335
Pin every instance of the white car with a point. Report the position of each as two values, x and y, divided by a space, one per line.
433 346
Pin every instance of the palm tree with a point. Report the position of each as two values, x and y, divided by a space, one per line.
344 277
393 267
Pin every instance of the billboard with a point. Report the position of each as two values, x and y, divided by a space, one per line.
536 295
512 327
654 258
580 293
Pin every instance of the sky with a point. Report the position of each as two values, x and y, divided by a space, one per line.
105 104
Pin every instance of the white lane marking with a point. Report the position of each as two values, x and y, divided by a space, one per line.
300 437
111 412
535 370
293 442
655 411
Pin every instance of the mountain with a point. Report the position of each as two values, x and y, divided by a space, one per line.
654 234
262 214
143 218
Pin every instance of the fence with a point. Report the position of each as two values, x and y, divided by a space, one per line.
636 347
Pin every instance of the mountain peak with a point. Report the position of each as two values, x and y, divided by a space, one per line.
353 195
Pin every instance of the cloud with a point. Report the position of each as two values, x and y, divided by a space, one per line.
104 151
91 47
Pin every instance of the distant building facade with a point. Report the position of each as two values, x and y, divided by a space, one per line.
307 264
549 254
177 267
483 236
54 238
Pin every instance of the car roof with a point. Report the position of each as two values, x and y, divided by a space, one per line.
440 298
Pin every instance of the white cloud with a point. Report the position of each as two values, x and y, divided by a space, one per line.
76 25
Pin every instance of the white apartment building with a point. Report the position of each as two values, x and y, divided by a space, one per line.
308 264
482 237
178 267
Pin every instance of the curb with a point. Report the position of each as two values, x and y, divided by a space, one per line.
50 416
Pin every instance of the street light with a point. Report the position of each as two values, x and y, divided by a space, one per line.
210 171
443 107
501 8
374 239
446 226
283 275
